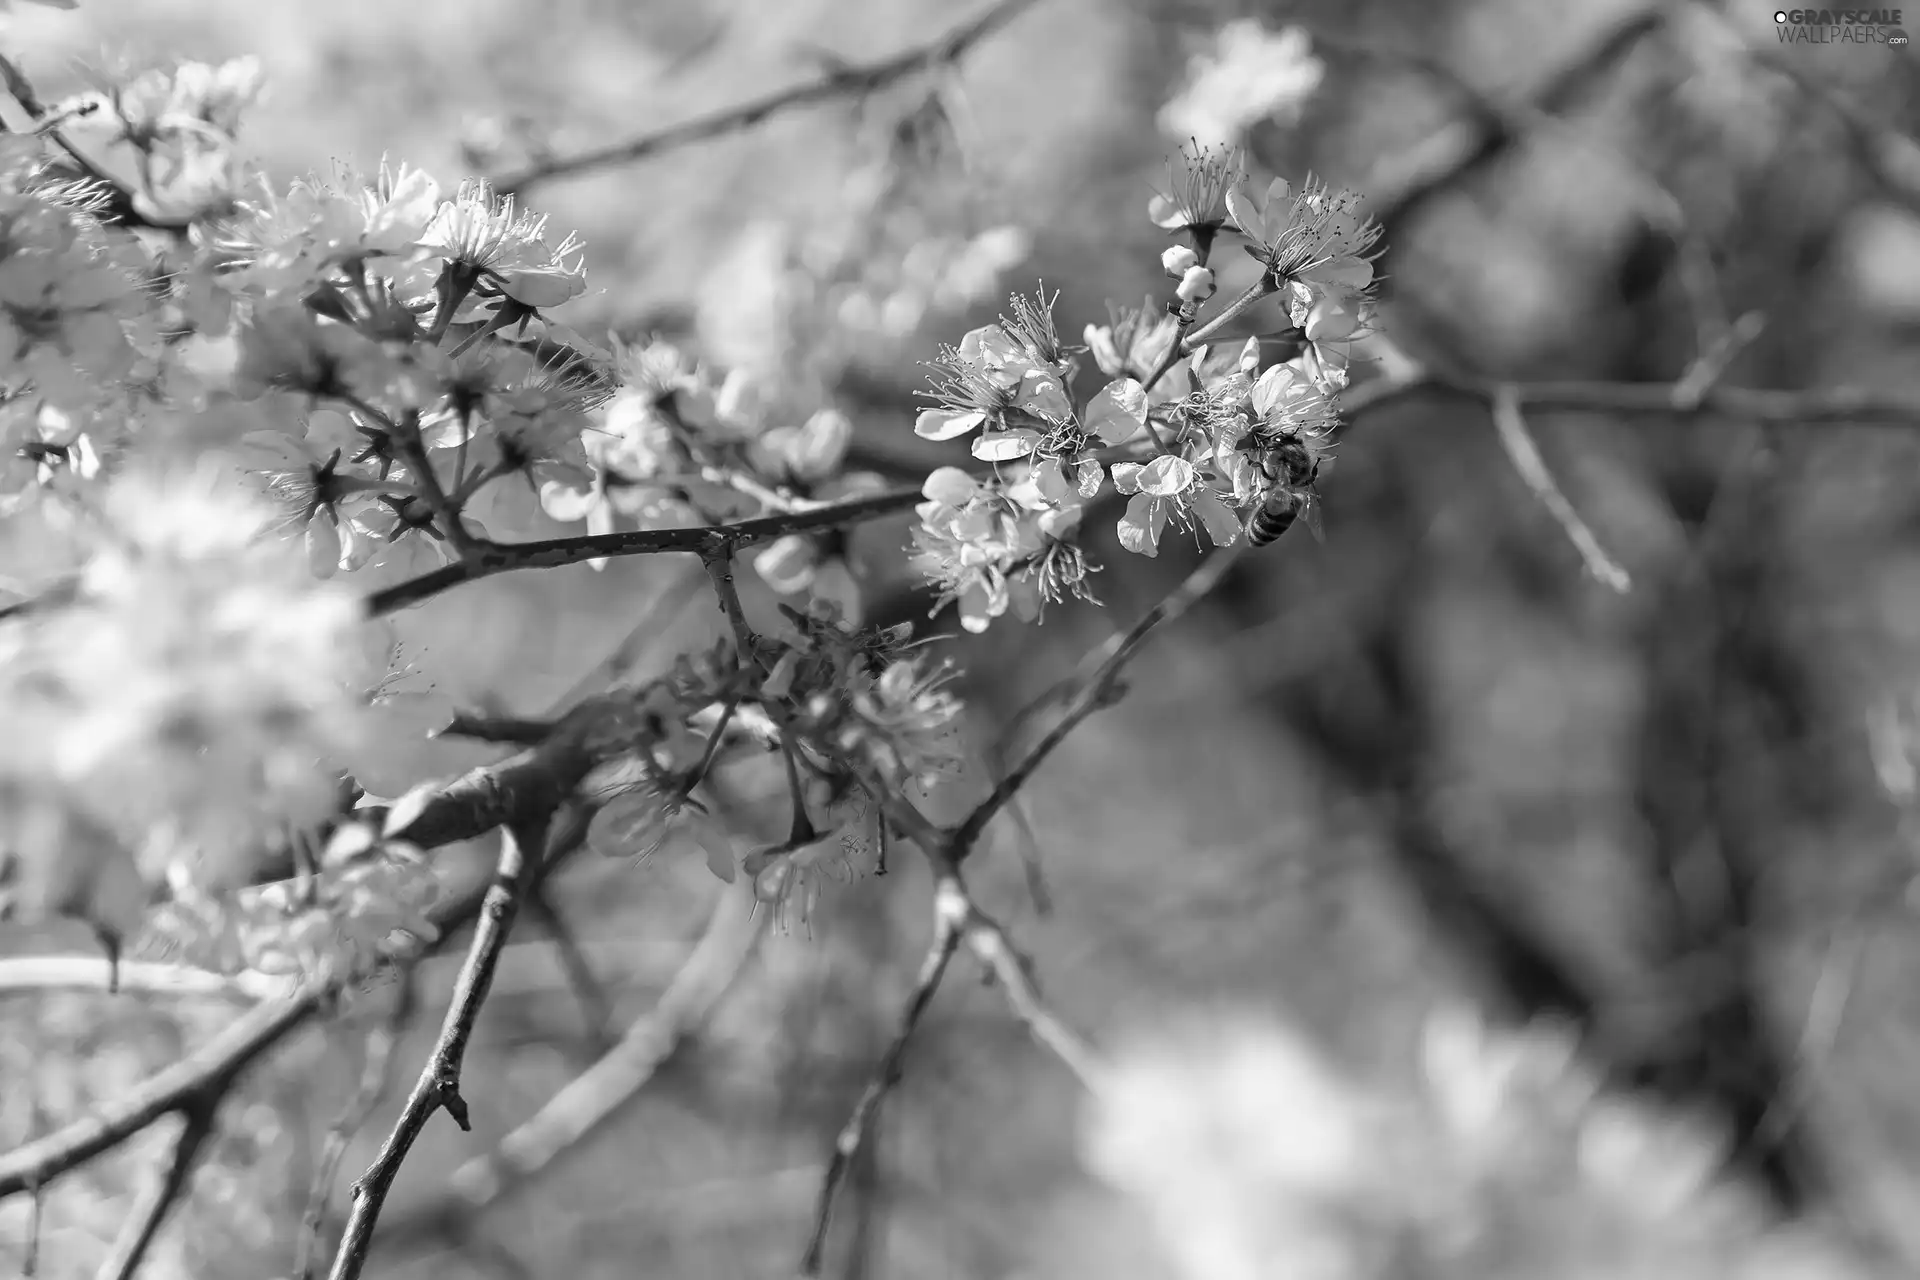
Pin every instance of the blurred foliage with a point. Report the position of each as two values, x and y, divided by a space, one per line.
1425 761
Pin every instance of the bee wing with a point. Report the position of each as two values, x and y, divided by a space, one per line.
1310 517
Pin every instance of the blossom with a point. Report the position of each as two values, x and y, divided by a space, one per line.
191 695
1237 1142
326 490
1311 237
503 250
1195 202
1251 74
1009 376
67 300
1133 344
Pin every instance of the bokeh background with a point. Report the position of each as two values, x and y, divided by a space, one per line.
1428 761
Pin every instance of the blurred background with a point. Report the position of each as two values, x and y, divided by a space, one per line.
1427 761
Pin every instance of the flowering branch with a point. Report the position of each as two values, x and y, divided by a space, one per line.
844 81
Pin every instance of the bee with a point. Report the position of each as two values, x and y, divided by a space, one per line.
1292 465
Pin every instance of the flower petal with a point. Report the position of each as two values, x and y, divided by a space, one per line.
1245 216
1005 446
951 486
1221 524
1166 476
1118 412
947 424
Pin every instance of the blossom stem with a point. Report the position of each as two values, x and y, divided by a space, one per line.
497 320
1257 290
455 283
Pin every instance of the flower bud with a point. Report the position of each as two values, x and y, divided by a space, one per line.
1195 286
1179 260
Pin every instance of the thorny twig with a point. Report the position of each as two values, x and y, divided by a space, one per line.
845 81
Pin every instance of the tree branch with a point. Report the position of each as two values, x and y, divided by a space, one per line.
489 558
1851 405
845 81
438 1088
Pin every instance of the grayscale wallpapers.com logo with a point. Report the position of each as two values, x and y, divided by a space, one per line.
1840 26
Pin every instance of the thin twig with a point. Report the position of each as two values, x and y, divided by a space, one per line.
845 81
949 920
1094 691
1526 459
167 1189
376 1073
438 1088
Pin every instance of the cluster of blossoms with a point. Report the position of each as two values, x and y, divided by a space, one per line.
224 400
376 358
1189 432
1253 1157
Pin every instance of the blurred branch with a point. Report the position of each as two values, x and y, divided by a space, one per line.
579 971
1890 158
1748 404
843 81
168 1188
438 1088
1526 459
1514 121
376 1073
91 973
1456 153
